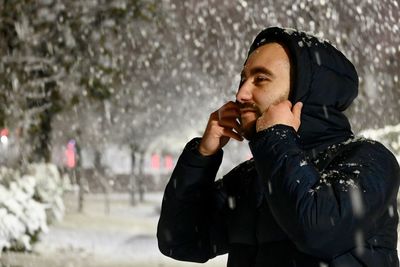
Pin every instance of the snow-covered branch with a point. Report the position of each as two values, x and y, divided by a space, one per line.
28 203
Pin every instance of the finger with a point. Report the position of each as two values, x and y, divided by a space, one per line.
229 108
230 105
231 134
232 114
229 112
296 110
230 124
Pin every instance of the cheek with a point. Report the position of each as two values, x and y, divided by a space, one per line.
271 94
283 87
263 99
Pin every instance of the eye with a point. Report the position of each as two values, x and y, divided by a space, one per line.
260 78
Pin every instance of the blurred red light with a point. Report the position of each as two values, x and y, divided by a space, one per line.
168 162
155 161
4 132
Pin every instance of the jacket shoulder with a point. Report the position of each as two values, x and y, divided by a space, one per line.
368 160
357 148
368 150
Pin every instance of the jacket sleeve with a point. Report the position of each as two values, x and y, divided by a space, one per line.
191 226
325 214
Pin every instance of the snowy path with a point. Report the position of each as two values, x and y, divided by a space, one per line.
125 237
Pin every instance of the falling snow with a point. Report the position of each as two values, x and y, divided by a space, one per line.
144 77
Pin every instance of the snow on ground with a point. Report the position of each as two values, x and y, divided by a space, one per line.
124 237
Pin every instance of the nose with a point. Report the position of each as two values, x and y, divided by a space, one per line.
244 94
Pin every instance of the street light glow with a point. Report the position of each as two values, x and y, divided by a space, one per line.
4 140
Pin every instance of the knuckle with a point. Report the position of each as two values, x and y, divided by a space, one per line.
214 125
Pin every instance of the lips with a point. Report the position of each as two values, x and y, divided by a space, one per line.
242 111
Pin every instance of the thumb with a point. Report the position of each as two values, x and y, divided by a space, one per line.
297 110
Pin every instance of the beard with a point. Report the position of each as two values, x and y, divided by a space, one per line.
248 130
248 120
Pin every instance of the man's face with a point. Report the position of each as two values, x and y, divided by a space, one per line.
265 80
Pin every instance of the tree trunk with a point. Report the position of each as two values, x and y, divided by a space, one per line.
141 185
100 175
79 178
132 180
39 135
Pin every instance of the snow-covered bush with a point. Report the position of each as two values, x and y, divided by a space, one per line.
27 203
49 189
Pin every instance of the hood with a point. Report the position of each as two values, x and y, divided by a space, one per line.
323 79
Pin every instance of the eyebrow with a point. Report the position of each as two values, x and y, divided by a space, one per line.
258 69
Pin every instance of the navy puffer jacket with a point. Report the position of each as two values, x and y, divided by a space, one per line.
318 197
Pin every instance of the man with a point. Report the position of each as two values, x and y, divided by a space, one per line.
313 194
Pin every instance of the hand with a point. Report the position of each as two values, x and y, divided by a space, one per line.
220 128
281 113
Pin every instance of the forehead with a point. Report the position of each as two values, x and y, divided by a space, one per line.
271 55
